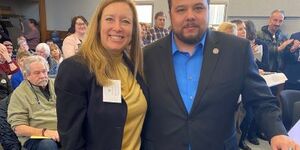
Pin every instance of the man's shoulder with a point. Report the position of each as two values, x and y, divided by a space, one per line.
164 42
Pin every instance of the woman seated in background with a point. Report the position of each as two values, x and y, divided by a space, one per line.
71 43
17 77
55 53
102 85
228 27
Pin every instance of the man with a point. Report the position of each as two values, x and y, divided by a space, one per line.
195 77
275 39
158 31
32 107
291 61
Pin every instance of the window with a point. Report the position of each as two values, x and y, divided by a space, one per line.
217 14
145 11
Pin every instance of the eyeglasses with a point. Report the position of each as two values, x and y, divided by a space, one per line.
8 45
80 24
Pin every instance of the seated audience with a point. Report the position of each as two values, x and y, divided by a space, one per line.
71 43
32 107
17 77
43 50
55 53
7 64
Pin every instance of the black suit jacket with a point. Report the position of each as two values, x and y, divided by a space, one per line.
224 76
84 120
291 62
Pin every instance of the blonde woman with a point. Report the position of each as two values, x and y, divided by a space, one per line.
102 86
228 27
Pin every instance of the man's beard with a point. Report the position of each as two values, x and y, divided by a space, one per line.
191 39
43 83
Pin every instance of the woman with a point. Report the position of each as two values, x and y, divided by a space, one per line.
228 27
72 42
241 28
55 53
102 86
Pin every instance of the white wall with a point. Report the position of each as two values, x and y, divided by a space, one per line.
60 12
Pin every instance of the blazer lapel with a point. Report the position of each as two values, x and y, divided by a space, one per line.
166 59
210 59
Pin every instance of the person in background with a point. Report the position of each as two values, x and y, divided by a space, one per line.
228 27
7 64
33 35
275 39
56 54
96 119
32 107
71 43
291 59
42 49
195 77
158 31
17 77
263 63
241 28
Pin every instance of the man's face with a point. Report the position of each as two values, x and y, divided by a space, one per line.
160 22
38 74
189 19
275 21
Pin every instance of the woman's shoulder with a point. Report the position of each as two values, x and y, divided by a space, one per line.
74 63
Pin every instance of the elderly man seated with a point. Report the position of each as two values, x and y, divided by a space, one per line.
32 107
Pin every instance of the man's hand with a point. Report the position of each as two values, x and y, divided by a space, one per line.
284 44
283 142
295 46
52 134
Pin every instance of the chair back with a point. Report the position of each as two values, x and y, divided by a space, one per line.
290 105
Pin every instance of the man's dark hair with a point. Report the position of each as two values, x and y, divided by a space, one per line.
170 3
158 14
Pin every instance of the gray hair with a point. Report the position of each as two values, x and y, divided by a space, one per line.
31 59
44 47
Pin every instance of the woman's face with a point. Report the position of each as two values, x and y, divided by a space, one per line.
80 26
54 52
116 26
241 30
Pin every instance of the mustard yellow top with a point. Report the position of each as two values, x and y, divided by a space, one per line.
136 105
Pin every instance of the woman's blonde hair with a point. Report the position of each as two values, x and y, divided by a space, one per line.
226 26
98 58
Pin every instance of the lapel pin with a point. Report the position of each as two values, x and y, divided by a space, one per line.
215 51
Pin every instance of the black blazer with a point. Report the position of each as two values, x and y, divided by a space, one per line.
84 120
224 76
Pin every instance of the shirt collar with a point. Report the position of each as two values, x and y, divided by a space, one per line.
199 44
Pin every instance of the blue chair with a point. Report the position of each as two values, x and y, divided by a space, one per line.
290 105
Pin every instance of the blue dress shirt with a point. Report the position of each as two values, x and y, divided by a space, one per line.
187 71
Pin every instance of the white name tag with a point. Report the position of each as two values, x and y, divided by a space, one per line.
112 92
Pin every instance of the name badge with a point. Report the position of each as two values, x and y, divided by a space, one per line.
112 92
